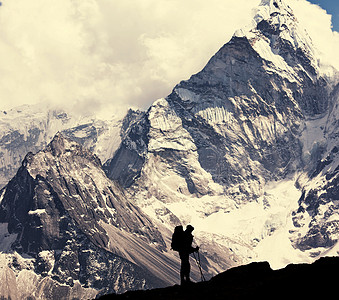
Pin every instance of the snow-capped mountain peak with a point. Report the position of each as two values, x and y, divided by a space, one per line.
269 9
213 149
274 32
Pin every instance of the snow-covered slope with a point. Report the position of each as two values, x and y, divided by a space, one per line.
29 128
62 220
224 149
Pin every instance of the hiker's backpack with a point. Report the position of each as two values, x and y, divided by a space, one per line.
177 238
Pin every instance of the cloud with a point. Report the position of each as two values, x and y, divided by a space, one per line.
69 52
319 26
92 55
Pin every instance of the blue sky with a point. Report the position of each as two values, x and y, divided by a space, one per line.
332 7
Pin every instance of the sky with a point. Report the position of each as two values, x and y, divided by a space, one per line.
101 55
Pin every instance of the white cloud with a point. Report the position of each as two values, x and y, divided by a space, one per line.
91 53
319 26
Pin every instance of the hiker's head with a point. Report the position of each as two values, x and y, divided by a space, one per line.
189 228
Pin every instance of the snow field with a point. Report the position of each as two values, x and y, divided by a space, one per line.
258 230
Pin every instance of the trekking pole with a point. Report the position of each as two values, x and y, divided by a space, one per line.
202 275
199 266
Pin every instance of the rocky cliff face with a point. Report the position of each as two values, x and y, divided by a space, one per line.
317 214
222 138
75 225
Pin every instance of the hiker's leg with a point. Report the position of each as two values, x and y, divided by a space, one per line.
182 272
186 268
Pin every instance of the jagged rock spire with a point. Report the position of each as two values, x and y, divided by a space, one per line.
276 35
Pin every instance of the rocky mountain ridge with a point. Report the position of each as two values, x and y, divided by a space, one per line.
318 208
76 227
29 128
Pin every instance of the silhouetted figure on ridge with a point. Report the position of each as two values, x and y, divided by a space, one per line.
182 242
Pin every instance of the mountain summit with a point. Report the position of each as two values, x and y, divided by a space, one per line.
275 31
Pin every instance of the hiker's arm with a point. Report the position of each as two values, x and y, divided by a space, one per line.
194 249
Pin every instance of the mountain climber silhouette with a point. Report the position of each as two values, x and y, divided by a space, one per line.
182 242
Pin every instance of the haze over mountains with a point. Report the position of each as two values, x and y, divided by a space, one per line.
246 150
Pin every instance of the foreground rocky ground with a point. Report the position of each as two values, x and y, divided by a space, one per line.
300 281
